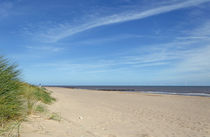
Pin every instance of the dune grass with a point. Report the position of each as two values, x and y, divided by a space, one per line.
17 99
33 94
10 101
55 116
40 108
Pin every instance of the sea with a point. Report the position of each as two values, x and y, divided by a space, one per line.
172 90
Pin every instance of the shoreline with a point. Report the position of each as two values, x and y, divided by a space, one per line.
135 91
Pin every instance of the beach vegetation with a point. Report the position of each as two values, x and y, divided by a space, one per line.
40 108
33 94
10 99
18 99
55 116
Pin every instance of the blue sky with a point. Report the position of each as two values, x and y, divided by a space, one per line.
108 42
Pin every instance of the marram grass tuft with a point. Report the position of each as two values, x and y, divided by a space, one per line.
17 99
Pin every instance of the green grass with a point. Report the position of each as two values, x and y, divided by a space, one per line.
10 101
55 116
17 99
40 108
33 95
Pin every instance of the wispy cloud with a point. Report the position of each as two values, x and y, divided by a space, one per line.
109 39
166 54
45 48
62 31
5 8
197 58
181 58
197 61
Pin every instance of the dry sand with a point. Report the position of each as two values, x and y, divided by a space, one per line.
87 113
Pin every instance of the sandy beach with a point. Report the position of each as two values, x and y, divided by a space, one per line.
90 113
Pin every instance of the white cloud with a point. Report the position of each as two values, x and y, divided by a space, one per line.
45 48
61 31
109 39
185 58
177 62
157 55
197 61
5 8
203 31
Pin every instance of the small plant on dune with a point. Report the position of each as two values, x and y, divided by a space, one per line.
55 116
33 95
41 108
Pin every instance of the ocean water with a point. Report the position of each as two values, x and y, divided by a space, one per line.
174 90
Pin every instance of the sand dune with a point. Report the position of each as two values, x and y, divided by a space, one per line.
87 113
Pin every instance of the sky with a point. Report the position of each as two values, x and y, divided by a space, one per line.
108 42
